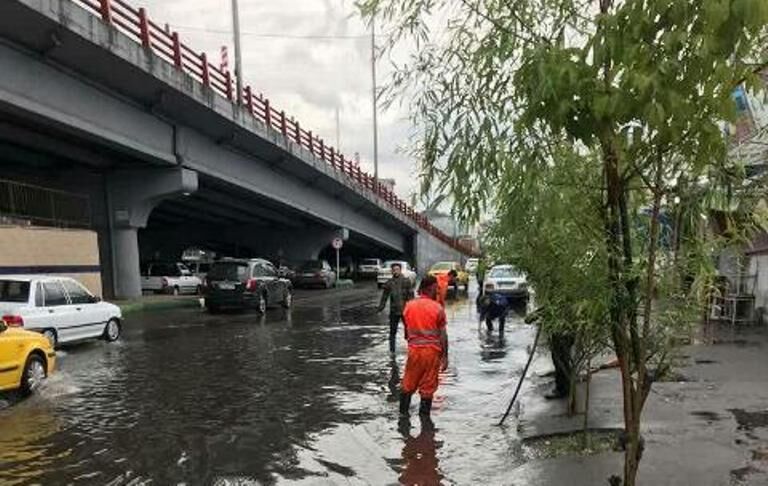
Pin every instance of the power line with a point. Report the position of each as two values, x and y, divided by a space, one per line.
271 36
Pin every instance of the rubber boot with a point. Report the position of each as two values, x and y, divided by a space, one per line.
405 404
425 407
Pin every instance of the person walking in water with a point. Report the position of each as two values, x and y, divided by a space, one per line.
397 290
425 325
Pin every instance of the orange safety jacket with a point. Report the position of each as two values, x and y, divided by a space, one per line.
424 322
443 280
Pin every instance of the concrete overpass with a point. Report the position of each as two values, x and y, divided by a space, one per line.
96 99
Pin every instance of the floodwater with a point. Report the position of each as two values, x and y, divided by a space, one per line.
306 396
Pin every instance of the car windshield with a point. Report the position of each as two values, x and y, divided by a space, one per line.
504 272
14 291
442 266
370 261
228 271
312 265
388 264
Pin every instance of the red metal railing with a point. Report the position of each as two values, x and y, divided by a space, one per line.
135 23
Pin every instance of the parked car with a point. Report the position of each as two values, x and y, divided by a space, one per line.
199 269
26 359
369 268
315 273
507 280
60 308
245 283
471 266
169 278
462 277
385 273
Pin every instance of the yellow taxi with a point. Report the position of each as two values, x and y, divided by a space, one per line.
462 277
26 359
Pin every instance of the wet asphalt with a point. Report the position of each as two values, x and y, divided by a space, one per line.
306 396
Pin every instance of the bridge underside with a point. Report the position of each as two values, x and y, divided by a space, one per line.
215 215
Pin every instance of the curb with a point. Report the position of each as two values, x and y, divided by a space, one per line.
131 307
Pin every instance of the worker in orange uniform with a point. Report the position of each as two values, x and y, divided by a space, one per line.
427 347
443 281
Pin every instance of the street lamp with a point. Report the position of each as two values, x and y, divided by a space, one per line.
375 124
238 58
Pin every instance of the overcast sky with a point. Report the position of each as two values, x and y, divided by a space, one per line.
309 78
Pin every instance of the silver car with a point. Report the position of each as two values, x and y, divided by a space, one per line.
508 281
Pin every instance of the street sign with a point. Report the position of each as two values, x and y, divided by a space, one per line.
337 243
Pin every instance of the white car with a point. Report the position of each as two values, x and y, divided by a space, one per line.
471 266
506 280
385 272
60 308
169 278
369 268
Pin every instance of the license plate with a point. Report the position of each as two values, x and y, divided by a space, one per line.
227 286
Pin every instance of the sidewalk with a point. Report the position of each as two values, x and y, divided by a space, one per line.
710 428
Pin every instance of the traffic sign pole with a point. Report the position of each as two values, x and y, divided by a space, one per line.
337 243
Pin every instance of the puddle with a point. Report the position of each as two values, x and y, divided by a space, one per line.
740 474
705 361
707 415
750 420
739 343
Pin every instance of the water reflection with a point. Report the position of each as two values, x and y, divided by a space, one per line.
394 381
420 465
25 443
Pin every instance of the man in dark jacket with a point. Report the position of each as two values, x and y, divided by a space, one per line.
397 290
493 306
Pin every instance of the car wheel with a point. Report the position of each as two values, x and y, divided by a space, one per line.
212 308
34 374
50 335
175 291
112 330
262 306
288 299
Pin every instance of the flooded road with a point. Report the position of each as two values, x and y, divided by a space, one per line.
306 396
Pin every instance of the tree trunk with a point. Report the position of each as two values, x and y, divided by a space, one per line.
587 384
624 333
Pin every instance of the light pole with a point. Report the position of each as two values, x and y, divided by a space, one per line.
238 58
375 124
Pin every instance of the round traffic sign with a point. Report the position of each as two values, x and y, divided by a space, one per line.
337 243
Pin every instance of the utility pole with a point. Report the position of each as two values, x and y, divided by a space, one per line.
338 130
375 124
238 58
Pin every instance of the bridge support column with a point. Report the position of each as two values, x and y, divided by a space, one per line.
133 196
428 250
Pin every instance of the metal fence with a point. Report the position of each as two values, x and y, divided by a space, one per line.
28 204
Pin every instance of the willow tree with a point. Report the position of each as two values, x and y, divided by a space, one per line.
639 87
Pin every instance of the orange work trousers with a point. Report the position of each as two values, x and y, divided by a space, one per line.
422 370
